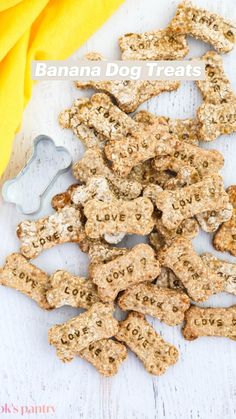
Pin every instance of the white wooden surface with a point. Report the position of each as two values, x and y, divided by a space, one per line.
203 383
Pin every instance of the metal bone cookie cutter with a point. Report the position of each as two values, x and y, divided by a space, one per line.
28 188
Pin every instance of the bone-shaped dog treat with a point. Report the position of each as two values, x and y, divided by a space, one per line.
134 149
216 88
71 337
225 238
223 269
156 354
128 94
188 228
69 119
167 279
131 217
105 355
78 195
184 129
204 25
100 113
165 304
210 322
137 265
67 289
199 281
174 155
21 275
216 120
154 45
61 227
177 205
93 164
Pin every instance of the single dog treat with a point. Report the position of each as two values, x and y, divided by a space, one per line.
71 337
174 155
62 227
137 265
167 279
216 120
130 217
204 25
156 354
134 149
67 289
199 281
128 94
225 238
210 322
216 88
184 129
154 45
105 355
223 269
177 205
69 119
21 275
93 164
100 113
165 304
210 221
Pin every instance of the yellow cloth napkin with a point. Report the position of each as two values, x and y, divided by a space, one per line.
38 30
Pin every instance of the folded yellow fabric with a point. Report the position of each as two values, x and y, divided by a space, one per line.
40 30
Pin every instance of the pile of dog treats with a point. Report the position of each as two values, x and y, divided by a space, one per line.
144 175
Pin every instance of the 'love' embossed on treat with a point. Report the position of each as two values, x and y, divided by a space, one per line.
225 238
105 355
215 120
67 289
71 337
69 119
223 269
118 216
93 164
167 305
156 354
128 94
204 25
21 275
137 265
154 45
62 227
183 129
199 281
174 155
216 88
210 322
177 205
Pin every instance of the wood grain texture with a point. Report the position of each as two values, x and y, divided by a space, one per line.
202 384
